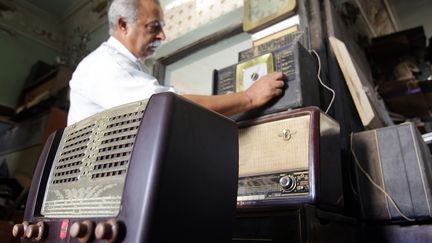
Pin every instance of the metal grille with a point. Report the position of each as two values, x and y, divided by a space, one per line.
274 147
90 167
68 167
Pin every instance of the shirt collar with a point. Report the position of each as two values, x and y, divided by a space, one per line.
116 44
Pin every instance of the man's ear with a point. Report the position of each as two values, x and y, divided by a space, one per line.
122 25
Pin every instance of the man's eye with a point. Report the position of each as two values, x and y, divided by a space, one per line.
156 26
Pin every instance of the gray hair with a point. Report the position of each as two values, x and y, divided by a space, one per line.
127 9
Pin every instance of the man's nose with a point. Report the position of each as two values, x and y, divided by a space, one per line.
161 35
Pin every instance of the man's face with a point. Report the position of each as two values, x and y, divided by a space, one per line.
146 34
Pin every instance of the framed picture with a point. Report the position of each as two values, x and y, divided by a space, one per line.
259 14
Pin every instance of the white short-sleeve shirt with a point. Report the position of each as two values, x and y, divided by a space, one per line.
109 76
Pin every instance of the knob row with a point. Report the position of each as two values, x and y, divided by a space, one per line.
29 231
82 230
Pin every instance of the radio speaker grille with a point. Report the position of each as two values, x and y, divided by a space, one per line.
263 147
90 166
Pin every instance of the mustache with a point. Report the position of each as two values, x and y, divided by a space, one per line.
155 44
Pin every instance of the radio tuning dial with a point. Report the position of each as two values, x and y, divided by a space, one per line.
288 183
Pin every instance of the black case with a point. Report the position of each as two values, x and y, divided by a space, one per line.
301 87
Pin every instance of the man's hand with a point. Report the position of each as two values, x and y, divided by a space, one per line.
265 88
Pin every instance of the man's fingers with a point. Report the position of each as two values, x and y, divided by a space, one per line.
279 74
279 92
279 84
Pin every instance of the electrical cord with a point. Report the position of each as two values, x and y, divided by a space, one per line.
322 83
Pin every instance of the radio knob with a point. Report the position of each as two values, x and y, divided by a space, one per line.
107 230
82 230
35 231
18 230
287 182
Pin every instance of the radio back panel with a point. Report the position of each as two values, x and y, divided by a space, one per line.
290 158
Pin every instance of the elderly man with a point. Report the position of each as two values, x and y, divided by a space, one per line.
113 74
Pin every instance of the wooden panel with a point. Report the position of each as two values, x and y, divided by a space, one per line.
355 85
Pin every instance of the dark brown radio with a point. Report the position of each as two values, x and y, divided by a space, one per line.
290 158
140 172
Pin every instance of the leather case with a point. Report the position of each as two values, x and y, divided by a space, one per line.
398 160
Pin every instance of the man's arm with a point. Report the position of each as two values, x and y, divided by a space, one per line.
262 91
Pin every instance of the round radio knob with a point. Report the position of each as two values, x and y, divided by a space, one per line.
35 231
287 182
82 230
107 230
18 230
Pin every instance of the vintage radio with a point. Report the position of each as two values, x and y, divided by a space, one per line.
290 158
399 162
301 88
148 171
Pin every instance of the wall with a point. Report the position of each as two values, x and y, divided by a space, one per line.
23 48
414 13
18 54
370 18
28 34
407 14
22 162
98 36
187 24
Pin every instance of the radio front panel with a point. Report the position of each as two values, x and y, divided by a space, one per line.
294 61
90 167
273 186
287 159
